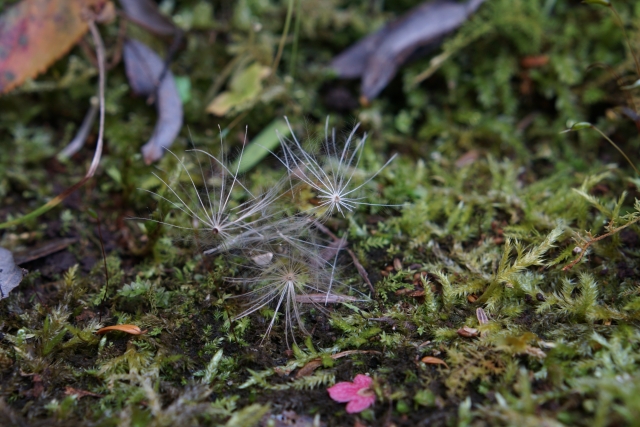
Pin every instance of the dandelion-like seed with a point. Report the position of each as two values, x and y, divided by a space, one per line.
283 262
211 210
283 283
331 176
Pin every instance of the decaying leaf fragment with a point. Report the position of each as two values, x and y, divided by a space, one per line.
144 67
468 332
520 344
313 364
35 33
481 316
129 329
10 274
244 90
376 58
431 360
70 391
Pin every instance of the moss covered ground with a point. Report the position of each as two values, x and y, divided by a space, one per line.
473 265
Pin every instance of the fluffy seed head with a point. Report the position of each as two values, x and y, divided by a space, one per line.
330 175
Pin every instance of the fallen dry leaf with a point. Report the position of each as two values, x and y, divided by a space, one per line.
38 386
534 61
308 369
144 67
377 57
35 33
468 332
482 316
434 361
70 391
10 274
244 90
43 250
535 352
129 329
467 158
313 364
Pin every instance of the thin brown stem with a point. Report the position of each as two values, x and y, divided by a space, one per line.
591 241
361 270
616 147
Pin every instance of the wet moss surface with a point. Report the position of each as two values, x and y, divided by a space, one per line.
488 206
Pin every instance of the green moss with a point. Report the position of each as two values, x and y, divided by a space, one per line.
490 204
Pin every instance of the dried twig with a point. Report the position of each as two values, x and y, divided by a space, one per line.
583 248
361 270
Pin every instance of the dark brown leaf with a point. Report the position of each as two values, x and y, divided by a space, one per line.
376 58
144 67
43 250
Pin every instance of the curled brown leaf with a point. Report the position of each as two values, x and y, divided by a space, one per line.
431 360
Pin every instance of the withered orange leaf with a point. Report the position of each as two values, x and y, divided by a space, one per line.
129 329
35 33
434 361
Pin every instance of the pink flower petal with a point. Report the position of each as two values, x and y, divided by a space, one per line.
362 381
343 392
358 393
360 403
